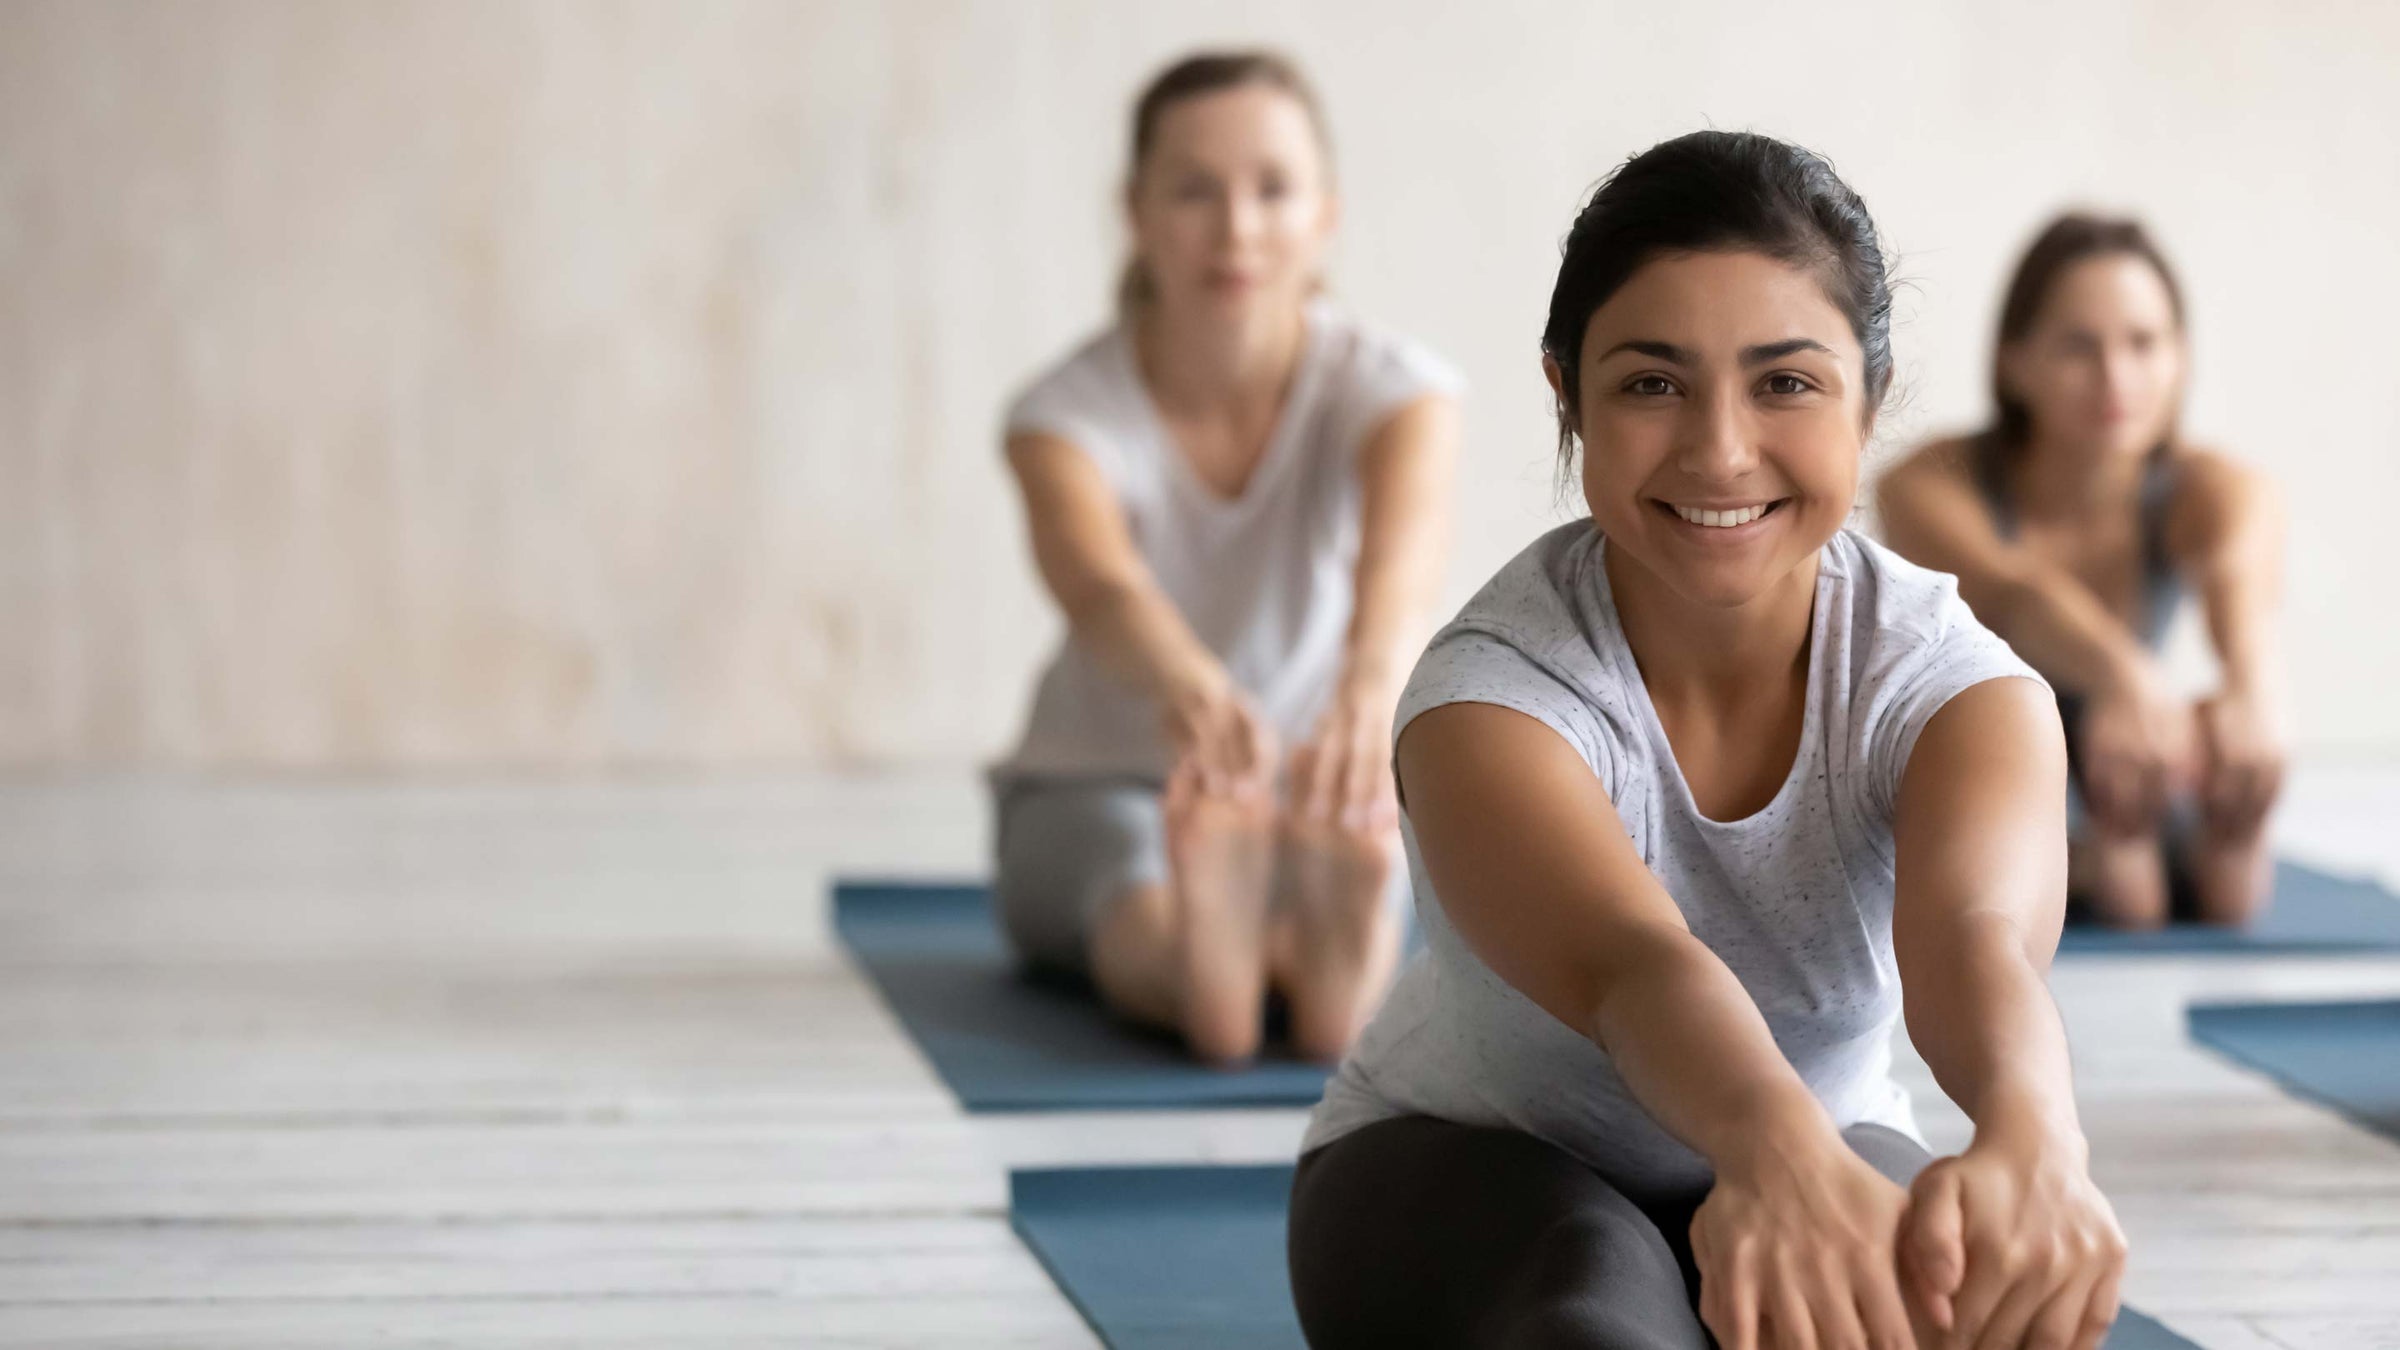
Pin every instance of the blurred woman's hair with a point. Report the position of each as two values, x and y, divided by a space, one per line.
1193 76
1713 192
2072 238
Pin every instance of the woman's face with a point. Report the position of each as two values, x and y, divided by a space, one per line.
1723 409
1231 208
2102 367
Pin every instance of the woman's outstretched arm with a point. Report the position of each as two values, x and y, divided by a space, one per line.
1404 472
1935 517
2009 1243
2137 736
2226 534
1117 610
1536 872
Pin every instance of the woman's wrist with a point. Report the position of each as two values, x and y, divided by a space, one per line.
1192 684
2029 1125
1783 1132
1370 678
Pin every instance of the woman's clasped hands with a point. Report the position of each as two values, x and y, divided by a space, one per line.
2007 1246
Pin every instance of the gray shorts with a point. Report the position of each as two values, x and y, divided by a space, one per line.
1068 848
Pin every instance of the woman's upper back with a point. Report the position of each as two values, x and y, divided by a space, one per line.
1795 898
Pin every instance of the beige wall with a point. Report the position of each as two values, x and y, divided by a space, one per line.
596 384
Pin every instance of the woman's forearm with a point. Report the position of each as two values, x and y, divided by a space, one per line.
1136 634
1695 1052
2239 601
1404 523
1985 1024
2059 627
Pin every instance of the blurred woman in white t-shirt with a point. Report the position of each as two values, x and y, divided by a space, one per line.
1236 493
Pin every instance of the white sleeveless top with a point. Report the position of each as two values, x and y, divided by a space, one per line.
1796 899
1264 579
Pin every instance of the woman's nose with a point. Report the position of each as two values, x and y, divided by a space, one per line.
1718 444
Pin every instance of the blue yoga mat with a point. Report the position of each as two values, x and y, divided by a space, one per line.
2345 1055
1181 1258
1007 1041
2313 912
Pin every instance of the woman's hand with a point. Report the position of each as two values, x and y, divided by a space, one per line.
2010 1245
1342 775
2242 758
2137 746
1219 736
1797 1252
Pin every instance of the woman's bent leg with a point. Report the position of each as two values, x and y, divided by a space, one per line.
1419 1232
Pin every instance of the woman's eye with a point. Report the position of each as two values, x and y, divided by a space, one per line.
1272 189
1650 385
1785 386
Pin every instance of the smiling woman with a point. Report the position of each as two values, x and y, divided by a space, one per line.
1701 795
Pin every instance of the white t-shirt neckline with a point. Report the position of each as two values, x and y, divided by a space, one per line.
1279 452
1620 653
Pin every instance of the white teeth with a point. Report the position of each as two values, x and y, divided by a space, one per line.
1722 519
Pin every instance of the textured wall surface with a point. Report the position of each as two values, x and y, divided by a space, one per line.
575 384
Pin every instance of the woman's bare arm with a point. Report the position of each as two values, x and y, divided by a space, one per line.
1935 517
2225 532
1536 872
1981 836
2012 1235
1114 605
1404 484
1404 473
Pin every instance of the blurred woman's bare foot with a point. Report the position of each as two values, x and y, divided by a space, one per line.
2122 877
1221 853
1336 939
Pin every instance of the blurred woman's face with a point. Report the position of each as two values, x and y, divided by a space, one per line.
2102 367
1232 208
1722 408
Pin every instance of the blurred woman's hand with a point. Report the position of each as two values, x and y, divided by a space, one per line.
2138 746
1342 775
2010 1246
1219 736
2241 761
1800 1251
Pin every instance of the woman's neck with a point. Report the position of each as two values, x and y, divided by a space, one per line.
1720 657
1211 368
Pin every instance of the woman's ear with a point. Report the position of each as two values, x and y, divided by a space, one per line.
1557 379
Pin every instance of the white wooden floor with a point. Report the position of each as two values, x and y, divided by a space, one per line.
539 1064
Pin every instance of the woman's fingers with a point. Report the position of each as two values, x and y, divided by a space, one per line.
1933 1243
1833 1299
1882 1313
2011 1317
1787 1308
2058 1323
1729 1301
2100 1311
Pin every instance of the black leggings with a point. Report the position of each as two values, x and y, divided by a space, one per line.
1416 1231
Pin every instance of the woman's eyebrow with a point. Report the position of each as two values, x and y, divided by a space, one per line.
1776 351
1664 351
1751 356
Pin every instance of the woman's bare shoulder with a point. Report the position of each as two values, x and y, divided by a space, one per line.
1934 463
